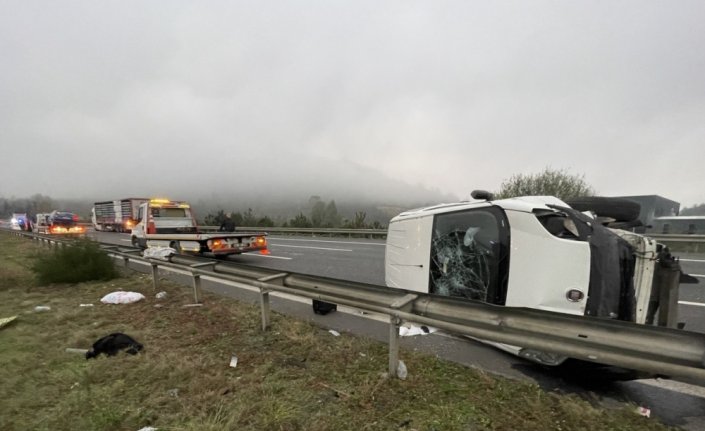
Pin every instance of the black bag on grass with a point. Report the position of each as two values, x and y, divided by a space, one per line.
112 344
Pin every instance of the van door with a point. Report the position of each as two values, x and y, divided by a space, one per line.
470 255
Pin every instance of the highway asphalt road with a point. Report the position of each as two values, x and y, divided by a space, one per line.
362 260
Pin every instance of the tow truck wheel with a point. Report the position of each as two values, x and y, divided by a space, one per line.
135 242
175 245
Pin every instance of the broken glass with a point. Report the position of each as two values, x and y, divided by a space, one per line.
460 265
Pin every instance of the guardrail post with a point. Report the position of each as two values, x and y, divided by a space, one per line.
394 323
265 307
155 276
197 278
196 286
264 296
404 302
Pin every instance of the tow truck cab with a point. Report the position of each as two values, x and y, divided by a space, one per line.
162 216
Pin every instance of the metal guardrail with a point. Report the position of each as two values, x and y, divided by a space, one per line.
370 233
662 351
681 242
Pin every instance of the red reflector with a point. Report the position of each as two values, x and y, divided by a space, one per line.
265 251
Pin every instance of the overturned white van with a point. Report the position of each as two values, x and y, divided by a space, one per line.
534 252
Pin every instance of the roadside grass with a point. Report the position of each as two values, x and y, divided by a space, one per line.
295 376
82 261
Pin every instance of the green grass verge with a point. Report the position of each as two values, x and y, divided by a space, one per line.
295 376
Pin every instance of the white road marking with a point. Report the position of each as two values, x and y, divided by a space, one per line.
325 240
697 304
672 385
313 248
255 253
691 260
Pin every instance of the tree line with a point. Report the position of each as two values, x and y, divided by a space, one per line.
319 215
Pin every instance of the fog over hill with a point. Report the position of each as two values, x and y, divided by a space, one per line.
277 187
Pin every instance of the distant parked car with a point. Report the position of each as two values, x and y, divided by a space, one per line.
20 221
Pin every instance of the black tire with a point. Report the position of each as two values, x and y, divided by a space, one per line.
621 210
136 243
175 245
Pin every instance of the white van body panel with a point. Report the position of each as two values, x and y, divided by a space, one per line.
543 268
407 254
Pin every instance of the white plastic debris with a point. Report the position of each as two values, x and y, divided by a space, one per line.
42 308
85 305
72 350
161 295
161 253
335 333
401 370
233 361
148 429
646 412
192 305
122 297
409 330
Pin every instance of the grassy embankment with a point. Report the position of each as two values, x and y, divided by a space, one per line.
294 377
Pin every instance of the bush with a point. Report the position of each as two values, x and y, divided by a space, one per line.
82 260
551 182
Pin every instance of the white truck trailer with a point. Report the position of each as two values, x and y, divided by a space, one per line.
116 216
166 223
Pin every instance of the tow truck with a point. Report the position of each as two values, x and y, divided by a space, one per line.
167 223
535 252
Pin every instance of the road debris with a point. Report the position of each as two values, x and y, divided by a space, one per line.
112 344
402 372
160 295
6 321
122 297
409 330
334 333
233 361
644 411
42 308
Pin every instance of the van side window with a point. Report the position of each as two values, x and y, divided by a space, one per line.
470 255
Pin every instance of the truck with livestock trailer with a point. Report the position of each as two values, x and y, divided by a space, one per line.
116 216
536 252
166 223
59 223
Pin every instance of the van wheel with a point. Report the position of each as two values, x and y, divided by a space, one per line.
135 242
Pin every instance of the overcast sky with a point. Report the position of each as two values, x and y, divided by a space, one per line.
140 97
